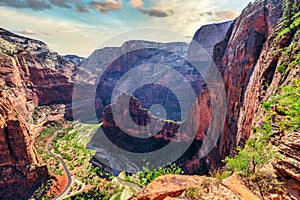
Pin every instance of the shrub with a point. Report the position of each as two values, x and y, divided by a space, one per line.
219 174
281 69
145 177
193 193
250 159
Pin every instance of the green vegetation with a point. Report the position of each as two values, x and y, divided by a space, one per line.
206 187
71 147
42 190
287 104
258 153
291 7
193 193
291 18
281 69
146 176
253 157
220 174
96 193
108 190
250 160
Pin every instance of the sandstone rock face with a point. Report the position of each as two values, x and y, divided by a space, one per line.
169 186
100 58
194 187
238 57
33 74
15 44
19 170
249 59
106 67
30 75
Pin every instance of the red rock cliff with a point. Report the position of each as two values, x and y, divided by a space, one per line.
20 173
258 45
30 75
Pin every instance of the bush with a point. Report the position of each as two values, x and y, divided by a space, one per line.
146 176
250 159
281 69
97 193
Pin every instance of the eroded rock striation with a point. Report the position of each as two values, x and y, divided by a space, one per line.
20 174
31 75
251 58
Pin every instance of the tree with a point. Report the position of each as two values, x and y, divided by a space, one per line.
252 158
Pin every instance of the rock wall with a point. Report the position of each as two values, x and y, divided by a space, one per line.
30 75
237 58
250 59
20 174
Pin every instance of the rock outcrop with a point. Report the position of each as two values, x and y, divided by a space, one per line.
248 58
241 58
195 187
20 174
258 53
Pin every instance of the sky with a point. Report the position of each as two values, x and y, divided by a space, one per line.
82 26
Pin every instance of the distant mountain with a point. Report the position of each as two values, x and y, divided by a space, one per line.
209 35
76 60
101 57
12 44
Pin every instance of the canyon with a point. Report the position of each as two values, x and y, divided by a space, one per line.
248 52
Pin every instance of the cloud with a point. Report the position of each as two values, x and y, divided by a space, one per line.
107 6
45 4
152 12
61 3
32 4
81 8
157 12
136 3
218 16
27 31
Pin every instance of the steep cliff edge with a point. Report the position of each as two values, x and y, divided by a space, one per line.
30 76
258 59
19 170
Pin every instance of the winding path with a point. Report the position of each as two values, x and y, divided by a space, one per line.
63 193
